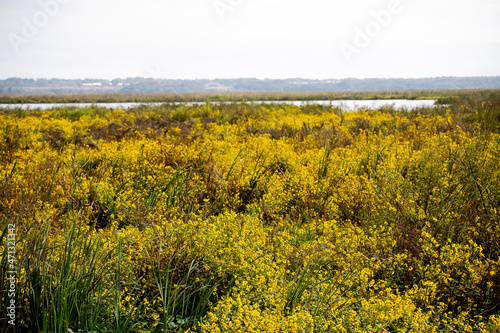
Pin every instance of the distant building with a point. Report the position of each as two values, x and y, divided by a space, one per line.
217 87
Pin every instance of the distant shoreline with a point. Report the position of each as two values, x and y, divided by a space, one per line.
234 88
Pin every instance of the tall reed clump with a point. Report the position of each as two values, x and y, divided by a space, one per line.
61 286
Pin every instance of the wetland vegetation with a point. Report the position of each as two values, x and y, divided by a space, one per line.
253 218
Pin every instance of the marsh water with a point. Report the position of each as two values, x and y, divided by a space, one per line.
347 105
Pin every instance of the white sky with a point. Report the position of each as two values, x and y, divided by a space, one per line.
248 38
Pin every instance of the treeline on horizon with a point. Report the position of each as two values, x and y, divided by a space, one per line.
22 86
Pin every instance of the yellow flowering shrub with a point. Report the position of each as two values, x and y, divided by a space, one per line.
253 218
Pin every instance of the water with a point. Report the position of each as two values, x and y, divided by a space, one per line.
348 105
370 104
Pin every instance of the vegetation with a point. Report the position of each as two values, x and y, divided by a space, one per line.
253 218
442 95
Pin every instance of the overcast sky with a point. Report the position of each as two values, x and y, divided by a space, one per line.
188 39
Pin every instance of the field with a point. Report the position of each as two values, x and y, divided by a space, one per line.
443 95
251 218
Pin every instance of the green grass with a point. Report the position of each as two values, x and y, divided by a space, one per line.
444 95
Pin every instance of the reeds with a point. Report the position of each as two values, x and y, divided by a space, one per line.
444 96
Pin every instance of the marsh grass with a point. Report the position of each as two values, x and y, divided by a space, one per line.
185 298
445 96
63 288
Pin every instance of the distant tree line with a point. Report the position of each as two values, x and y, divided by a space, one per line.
148 85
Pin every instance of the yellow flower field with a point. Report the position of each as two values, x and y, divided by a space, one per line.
252 218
